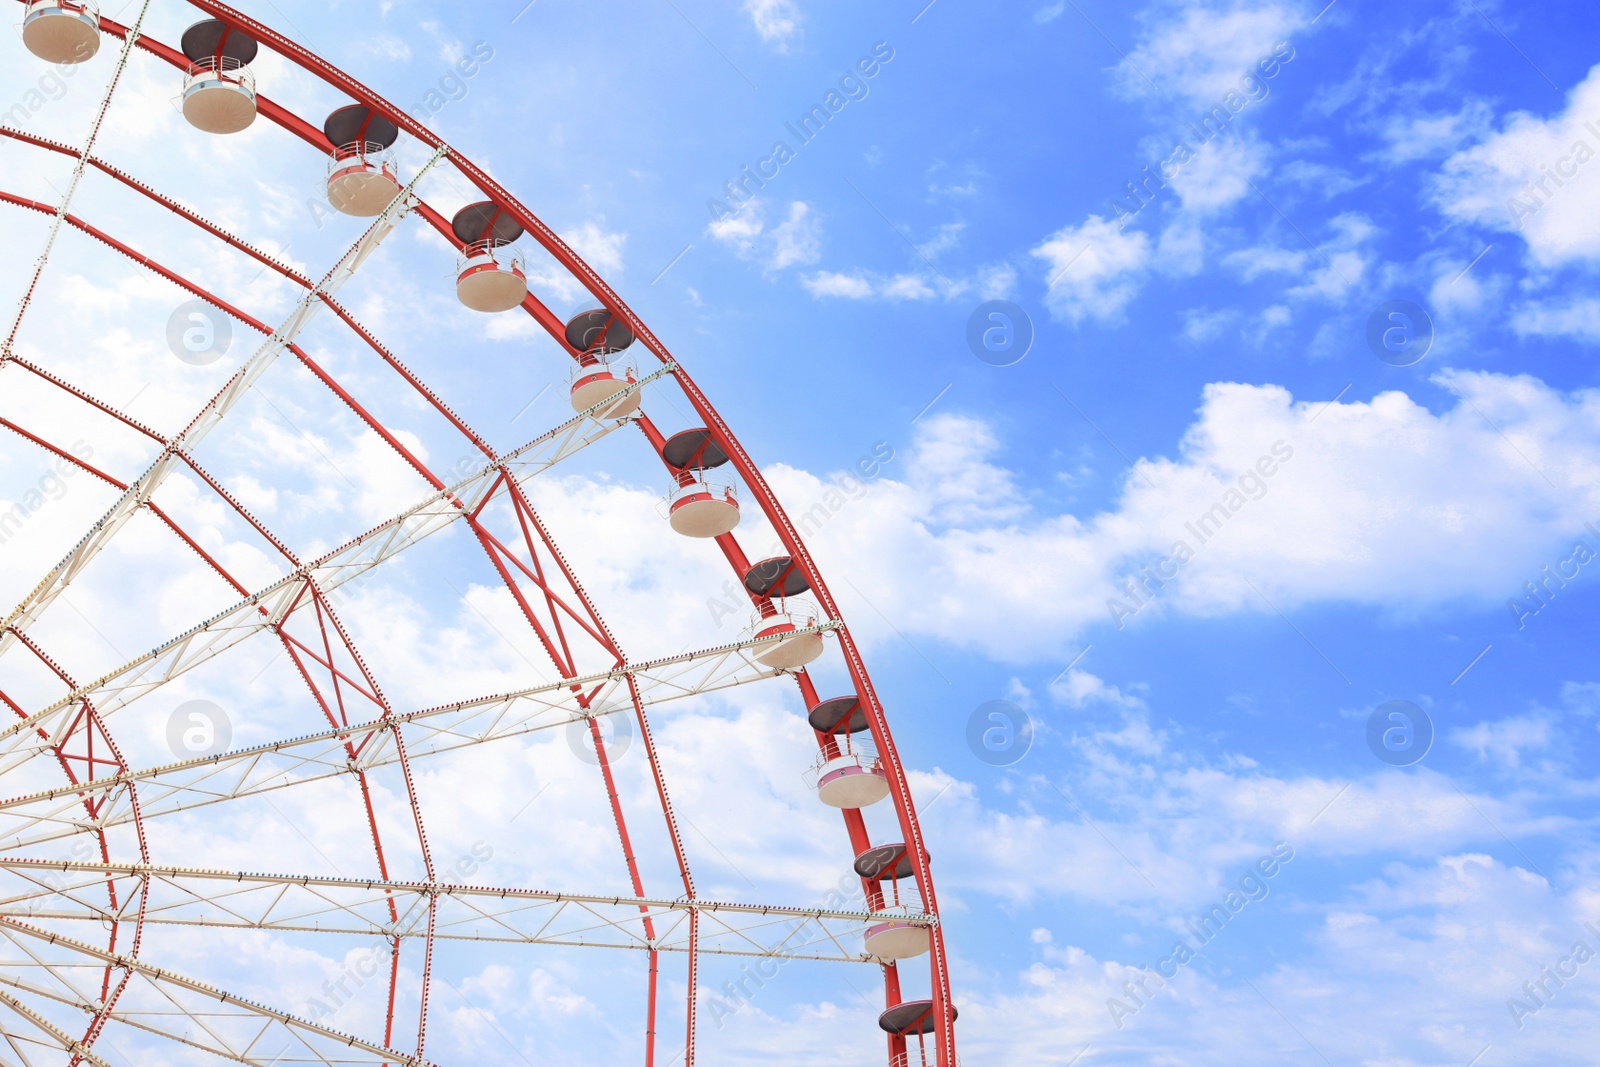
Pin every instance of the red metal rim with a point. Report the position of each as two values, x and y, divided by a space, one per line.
367 169
891 766
492 268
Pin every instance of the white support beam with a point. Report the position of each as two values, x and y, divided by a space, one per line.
160 1001
38 1033
58 812
130 40
138 494
20 741
55 894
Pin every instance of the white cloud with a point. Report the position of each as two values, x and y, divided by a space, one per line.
907 287
1093 270
1275 316
1327 181
867 285
948 237
1181 250
1220 174
597 245
1506 739
389 46
1080 688
1536 177
1360 513
1446 941
1579 317
1251 263
602 249
795 240
775 20
1337 273
1338 263
1203 324
1423 134
830 283
1200 48
996 281
1466 281
1183 825
740 229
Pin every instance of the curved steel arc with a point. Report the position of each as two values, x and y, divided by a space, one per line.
175 451
130 40
139 494
78 1049
492 546
59 1039
743 464
489 544
172 205
210 416
92 728
271 605
789 535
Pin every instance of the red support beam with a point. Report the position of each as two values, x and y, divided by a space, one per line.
944 1034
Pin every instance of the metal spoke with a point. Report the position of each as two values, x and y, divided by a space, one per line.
82 940
60 891
268 607
169 1004
141 490
56 813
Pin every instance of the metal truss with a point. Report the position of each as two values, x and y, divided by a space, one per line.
50 968
51 895
58 813
139 493
268 608
50 977
37 1041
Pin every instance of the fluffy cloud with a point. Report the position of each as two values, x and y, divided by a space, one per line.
1337 264
867 285
993 281
1447 942
1419 135
1507 740
1220 174
795 240
1199 48
1535 177
602 249
1578 318
777 21
833 283
1383 502
1093 270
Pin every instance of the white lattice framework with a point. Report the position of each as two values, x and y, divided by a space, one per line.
72 930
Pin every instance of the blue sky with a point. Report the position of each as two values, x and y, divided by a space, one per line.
1393 154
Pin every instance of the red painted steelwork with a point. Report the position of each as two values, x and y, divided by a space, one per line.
553 638
894 771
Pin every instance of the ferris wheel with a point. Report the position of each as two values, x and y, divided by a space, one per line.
138 923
